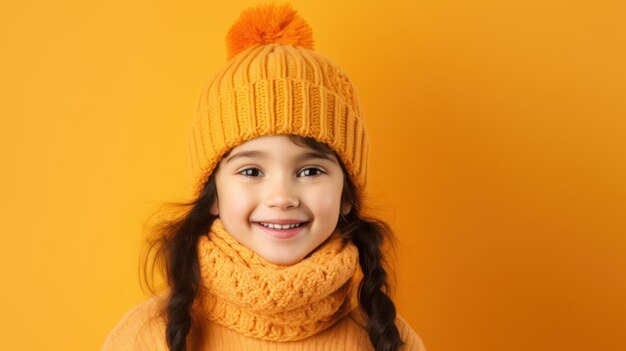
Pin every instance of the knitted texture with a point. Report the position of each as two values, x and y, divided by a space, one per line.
242 291
275 83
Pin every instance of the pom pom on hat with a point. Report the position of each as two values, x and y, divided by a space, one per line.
268 23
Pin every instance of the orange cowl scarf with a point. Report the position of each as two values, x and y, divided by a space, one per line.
242 291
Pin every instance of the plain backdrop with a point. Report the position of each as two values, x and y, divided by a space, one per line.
498 155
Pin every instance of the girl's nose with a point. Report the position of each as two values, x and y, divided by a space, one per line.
281 195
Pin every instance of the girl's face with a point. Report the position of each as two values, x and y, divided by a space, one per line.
271 180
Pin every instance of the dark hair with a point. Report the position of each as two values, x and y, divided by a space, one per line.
174 243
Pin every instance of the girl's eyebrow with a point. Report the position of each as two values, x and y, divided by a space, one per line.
260 154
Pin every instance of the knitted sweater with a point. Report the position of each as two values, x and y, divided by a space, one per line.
143 329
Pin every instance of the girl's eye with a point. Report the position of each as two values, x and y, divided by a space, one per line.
317 171
249 172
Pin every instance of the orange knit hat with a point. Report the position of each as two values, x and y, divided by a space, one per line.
274 83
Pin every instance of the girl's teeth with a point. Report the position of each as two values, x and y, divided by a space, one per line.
278 226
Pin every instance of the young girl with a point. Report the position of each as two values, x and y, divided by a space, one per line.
275 252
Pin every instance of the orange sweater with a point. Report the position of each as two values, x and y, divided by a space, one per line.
143 329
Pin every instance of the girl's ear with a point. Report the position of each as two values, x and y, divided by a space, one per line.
345 209
215 208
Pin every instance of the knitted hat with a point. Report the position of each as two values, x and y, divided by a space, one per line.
274 83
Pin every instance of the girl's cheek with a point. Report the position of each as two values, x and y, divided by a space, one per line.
241 192
323 196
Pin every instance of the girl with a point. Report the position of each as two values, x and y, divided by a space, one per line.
275 252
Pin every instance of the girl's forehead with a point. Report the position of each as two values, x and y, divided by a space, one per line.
274 146
271 144
266 141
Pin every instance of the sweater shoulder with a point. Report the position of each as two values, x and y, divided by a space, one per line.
141 328
412 341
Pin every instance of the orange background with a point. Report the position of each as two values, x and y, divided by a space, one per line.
498 139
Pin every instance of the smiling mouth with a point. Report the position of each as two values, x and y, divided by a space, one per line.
282 226
280 232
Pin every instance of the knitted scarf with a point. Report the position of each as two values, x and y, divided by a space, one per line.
244 292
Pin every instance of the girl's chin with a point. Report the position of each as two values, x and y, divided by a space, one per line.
281 259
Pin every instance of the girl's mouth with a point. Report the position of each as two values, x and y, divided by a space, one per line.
280 226
285 231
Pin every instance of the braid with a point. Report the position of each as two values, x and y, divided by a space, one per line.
182 294
183 271
368 235
176 246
